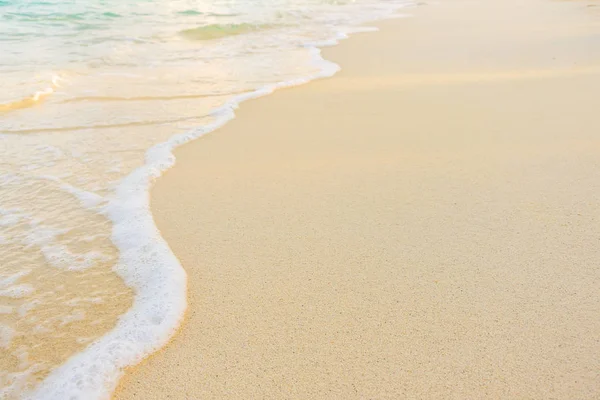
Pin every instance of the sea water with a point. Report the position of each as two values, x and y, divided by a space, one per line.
94 96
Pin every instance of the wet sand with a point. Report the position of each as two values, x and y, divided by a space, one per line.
426 224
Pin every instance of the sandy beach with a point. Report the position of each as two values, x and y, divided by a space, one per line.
423 225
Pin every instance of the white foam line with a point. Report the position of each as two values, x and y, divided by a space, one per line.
147 264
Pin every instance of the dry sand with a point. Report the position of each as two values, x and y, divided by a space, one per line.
424 225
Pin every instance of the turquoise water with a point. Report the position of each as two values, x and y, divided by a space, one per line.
46 38
95 95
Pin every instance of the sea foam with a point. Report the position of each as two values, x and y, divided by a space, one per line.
147 264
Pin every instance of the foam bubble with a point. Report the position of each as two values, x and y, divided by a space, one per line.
26 307
7 220
40 235
9 280
59 256
16 382
4 310
17 291
6 335
77 315
89 200
10 179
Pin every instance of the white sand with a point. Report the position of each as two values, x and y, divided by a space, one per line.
423 225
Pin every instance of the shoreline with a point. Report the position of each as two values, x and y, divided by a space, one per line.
288 172
141 319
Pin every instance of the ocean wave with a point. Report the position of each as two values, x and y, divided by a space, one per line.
190 12
32 100
150 98
92 160
217 31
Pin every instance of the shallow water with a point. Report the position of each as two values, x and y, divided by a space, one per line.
94 96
